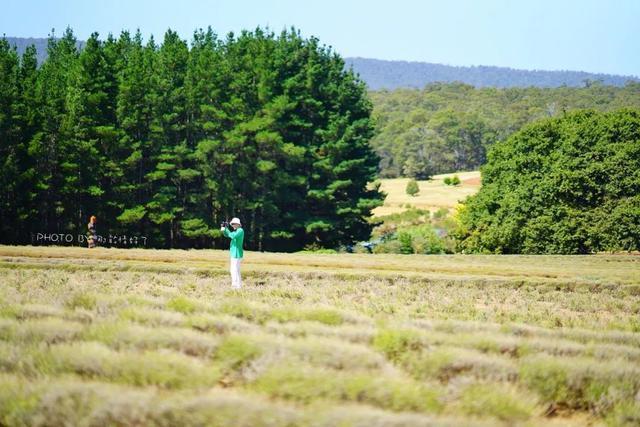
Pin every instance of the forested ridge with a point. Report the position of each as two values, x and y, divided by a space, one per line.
380 74
167 139
446 128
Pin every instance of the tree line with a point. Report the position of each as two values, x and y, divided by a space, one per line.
167 140
445 128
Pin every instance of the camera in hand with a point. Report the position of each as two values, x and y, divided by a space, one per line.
224 224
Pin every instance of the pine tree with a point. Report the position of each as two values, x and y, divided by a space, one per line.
136 100
10 137
91 127
165 141
343 161
207 121
51 148
173 175
29 119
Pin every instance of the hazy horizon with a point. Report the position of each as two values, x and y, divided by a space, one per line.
592 36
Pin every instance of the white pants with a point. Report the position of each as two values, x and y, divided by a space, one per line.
234 268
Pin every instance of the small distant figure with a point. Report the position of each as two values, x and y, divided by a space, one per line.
235 249
92 234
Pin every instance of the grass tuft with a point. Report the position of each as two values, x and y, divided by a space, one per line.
83 300
495 400
304 384
181 305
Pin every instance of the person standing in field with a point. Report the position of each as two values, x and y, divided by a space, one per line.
235 249
92 234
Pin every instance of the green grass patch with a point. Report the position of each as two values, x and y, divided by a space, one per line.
304 385
396 343
126 336
69 402
237 351
33 331
182 305
326 316
498 401
252 312
152 317
624 415
92 360
83 300
582 384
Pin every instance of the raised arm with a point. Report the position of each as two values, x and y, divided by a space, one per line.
233 234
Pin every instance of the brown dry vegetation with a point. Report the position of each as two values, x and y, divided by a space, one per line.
433 195
142 337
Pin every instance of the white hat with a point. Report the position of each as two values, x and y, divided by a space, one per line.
235 221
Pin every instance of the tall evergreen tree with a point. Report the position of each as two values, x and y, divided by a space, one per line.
29 119
207 121
10 138
90 126
173 177
53 153
343 163
136 101
165 141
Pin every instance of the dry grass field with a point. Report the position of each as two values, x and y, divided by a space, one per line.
434 194
149 337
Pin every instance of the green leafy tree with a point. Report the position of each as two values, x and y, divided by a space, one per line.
567 185
412 188
406 242
424 240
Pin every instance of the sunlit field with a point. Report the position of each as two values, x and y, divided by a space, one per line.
148 337
434 194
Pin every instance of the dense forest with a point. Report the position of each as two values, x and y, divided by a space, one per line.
167 140
565 185
449 127
446 127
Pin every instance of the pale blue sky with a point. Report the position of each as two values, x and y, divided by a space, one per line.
586 35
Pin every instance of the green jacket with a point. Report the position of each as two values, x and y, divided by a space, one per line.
237 238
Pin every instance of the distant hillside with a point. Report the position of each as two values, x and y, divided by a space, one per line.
448 127
379 74
39 43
